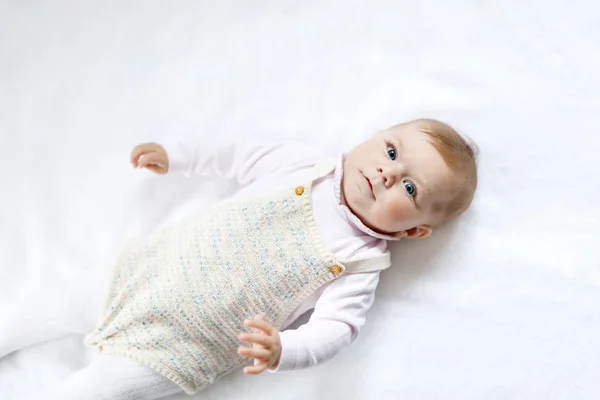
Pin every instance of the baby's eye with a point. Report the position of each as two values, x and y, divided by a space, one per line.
410 188
391 150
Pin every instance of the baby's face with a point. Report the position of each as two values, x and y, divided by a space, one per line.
392 181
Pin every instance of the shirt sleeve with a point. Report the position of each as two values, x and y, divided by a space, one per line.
241 159
339 314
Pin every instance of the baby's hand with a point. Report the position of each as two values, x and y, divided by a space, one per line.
151 156
266 345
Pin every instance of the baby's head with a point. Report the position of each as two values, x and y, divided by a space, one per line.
410 178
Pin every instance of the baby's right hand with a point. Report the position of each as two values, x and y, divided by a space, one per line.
151 156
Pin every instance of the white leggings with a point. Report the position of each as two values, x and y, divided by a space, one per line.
114 378
73 307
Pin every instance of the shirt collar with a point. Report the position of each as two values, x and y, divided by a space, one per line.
344 210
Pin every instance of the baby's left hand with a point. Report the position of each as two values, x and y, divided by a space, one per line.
266 345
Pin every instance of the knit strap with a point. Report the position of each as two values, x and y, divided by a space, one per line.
323 168
371 264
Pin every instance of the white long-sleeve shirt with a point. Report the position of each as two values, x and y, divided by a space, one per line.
340 306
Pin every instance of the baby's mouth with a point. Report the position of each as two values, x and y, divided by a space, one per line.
370 186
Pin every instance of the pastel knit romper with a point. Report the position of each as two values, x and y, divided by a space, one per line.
178 297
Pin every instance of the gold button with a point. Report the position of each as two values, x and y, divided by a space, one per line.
336 269
299 190
100 348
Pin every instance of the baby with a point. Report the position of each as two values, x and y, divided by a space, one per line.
199 299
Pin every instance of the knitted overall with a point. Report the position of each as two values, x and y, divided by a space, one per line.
178 297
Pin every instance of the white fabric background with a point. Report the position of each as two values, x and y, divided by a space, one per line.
503 304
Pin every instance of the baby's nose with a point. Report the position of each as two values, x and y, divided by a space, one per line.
388 180
387 176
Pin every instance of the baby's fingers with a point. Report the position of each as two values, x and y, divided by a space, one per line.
255 352
257 338
139 150
255 369
260 324
151 159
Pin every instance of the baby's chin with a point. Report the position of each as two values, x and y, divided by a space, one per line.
358 206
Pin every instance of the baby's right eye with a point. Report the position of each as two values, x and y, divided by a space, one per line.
391 151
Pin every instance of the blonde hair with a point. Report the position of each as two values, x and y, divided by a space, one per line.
460 155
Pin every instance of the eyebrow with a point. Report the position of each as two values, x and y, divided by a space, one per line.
400 146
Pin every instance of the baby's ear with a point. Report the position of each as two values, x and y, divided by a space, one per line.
418 232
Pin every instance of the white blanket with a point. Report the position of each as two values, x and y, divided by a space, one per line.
503 304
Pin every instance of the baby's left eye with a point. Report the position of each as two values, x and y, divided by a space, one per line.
410 188
391 150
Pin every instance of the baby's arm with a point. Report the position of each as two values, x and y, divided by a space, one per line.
243 160
339 314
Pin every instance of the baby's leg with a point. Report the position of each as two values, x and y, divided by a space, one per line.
55 310
112 377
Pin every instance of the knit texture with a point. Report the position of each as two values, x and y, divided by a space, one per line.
178 297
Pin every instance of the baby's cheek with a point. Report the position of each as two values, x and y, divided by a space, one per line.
395 215
395 210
